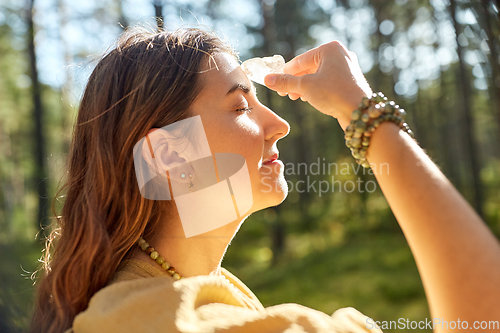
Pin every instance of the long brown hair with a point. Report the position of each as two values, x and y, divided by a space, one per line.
148 80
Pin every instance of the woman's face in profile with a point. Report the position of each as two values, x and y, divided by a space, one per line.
236 122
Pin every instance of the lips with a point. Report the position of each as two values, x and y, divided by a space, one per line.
271 159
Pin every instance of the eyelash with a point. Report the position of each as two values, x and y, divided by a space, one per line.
248 109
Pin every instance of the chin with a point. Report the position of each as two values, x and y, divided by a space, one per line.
282 193
270 196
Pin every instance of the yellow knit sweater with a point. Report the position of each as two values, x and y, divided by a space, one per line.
144 298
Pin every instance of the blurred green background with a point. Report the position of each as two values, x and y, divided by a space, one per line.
439 60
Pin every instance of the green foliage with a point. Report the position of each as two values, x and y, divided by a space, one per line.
371 271
18 260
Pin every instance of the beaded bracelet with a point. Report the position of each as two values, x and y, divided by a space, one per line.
366 118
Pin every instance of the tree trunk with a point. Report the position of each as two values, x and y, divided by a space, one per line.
277 231
67 86
497 4
377 81
159 13
467 125
445 130
306 141
40 174
122 20
495 70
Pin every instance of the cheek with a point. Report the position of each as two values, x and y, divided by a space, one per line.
250 140
240 136
246 139
251 146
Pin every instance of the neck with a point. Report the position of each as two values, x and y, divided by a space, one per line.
197 255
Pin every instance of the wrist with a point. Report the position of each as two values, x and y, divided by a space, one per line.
344 122
366 119
352 102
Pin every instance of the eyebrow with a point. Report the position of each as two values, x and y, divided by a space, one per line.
242 87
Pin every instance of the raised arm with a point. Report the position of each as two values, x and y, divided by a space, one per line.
457 255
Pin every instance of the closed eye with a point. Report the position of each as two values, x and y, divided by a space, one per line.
247 109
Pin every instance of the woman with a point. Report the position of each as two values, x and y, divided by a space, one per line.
104 252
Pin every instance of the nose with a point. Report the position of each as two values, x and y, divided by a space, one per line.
274 126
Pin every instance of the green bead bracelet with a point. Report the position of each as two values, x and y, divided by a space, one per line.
366 118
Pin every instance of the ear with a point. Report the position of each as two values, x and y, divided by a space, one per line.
158 152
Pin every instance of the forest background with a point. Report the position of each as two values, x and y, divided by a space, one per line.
342 247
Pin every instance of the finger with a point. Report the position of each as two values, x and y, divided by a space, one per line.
308 61
293 96
353 57
338 44
282 94
309 71
284 82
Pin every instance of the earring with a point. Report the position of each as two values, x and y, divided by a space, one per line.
191 184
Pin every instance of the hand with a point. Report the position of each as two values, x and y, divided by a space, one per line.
328 77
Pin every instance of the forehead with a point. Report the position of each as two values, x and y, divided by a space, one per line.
220 72
222 62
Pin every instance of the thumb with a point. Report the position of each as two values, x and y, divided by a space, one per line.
284 82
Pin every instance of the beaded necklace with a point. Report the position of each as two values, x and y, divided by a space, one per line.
153 254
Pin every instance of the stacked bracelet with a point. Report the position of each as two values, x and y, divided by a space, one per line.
366 118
